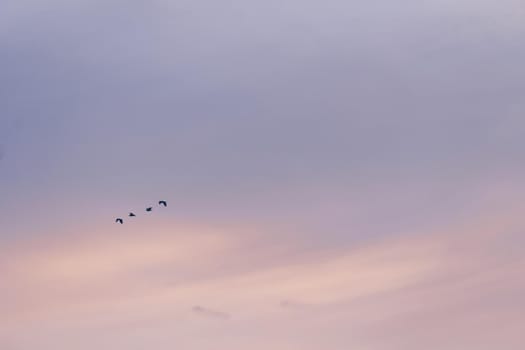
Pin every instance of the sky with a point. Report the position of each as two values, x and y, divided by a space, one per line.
339 174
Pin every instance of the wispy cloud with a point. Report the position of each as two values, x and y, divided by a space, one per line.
461 272
210 313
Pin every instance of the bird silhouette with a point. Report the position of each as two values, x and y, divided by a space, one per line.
148 209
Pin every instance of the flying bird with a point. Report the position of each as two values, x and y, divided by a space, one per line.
148 209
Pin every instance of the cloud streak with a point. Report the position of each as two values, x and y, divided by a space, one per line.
203 311
460 279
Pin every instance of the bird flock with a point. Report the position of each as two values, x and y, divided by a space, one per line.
148 209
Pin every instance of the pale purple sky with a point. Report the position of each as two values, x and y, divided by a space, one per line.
341 174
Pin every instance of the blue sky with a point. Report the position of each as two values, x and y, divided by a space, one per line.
298 143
